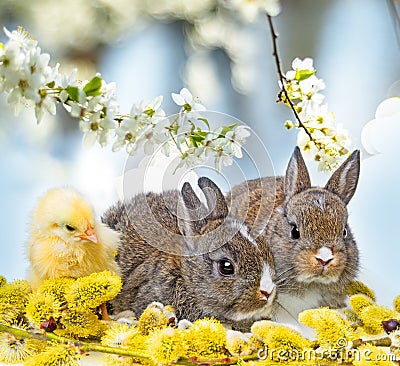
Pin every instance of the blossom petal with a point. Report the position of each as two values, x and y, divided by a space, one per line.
187 95
178 99
89 139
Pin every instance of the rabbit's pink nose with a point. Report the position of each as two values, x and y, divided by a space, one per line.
265 294
324 256
322 262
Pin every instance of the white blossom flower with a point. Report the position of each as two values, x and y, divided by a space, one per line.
21 38
77 109
299 65
222 158
305 64
143 140
47 103
124 135
94 129
239 134
311 85
190 105
308 147
229 147
154 110
144 128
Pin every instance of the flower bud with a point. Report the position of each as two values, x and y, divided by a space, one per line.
390 325
49 325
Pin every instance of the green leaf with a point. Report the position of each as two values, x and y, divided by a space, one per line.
193 141
226 129
73 93
199 136
205 121
201 132
304 74
92 88
192 124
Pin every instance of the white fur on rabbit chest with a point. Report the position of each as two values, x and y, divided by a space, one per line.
290 306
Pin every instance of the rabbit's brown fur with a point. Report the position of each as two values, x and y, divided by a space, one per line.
282 208
171 250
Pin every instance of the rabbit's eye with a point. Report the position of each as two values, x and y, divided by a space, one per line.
295 233
226 268
344 233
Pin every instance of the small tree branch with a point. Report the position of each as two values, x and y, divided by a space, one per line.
21 333
82 346
282 77
380 342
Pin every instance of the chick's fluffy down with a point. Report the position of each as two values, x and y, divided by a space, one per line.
65 239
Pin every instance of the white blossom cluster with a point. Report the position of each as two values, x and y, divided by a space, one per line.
24 70
29 80
195 144
329 141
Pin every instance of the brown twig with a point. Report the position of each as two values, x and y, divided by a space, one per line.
381 342
282 77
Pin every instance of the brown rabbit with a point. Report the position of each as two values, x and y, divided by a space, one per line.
201 261
306 228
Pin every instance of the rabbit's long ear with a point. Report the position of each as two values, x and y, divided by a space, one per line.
215 199
344 180
191 212
297 178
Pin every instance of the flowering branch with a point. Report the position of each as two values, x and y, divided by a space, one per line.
82 346
281 76
319 135
28 79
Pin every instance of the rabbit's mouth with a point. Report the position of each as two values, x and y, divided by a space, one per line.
315 274
319 266
262 312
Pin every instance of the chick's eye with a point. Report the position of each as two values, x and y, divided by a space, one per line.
70 228
344 233
295 233
226 268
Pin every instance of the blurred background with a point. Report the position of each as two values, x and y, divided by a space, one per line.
223 54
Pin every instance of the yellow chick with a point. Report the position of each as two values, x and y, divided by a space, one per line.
65 239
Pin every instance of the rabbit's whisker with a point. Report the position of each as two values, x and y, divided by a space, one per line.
288 312
282 273
286 280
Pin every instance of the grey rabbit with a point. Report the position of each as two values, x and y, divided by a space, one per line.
199 259
306 228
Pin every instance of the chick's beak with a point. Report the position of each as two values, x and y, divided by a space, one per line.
90 235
